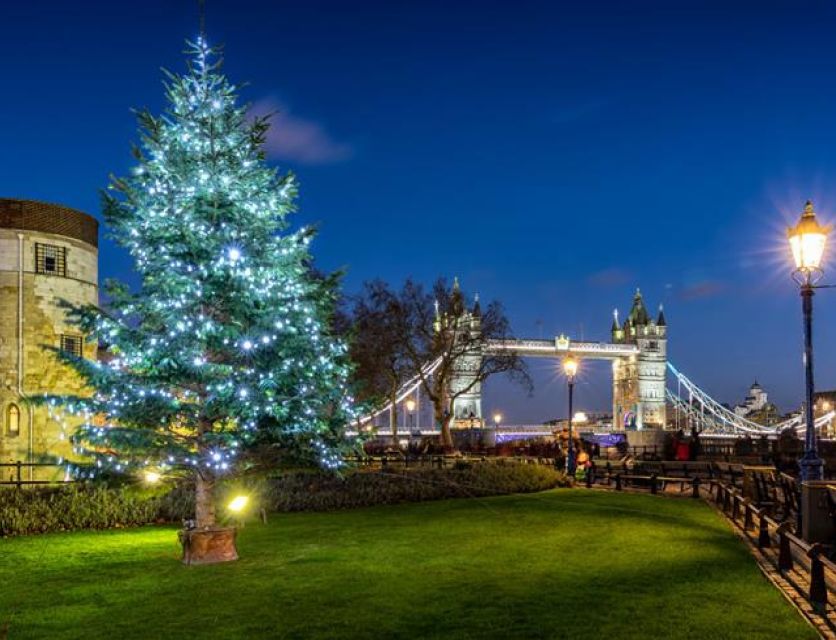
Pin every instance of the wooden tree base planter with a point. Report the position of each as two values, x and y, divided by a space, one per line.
208 546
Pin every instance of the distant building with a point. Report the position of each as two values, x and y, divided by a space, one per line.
756 406
824 402
756 400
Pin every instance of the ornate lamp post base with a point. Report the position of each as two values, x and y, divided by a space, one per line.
811 466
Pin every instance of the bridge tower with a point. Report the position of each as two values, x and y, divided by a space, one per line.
467 407
639 381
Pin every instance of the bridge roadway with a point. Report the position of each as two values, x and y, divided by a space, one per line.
562 346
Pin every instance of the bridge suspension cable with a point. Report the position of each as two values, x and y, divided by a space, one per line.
713 418
407 389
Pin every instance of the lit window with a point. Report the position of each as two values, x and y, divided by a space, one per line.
50 259
13 420
71 345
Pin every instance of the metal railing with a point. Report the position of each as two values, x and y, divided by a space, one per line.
15 477
439 461
805 566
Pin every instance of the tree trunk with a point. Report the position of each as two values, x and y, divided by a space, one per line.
204 502
393 416
207 543
444 422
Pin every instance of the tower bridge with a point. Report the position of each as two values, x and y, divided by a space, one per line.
647 389
638 352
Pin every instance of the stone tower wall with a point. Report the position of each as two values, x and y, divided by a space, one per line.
639 381
651 373
30 300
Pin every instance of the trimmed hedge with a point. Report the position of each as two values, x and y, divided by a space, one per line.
65 508
310 491
97 506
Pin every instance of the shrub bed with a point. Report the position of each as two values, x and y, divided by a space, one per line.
310 491
69 507
97 506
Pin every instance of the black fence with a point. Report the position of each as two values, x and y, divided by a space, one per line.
762 504
18 473
439 461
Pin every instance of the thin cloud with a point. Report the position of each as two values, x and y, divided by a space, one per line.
702 289
298 139
611 277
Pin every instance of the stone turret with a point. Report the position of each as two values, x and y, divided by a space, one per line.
465 324
616 330
639 381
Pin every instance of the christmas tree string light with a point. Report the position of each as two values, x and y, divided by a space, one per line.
226 345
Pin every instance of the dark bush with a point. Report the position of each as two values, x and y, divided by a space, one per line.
312 491
70 507
65 508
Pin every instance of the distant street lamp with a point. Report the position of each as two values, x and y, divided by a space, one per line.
570 368
410 406
807 241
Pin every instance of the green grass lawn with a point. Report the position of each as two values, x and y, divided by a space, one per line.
560 564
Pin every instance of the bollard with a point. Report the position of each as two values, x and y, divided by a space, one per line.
784 551
718 498
695 487
589 473
763 531
727 500
799 521
618 482
735 508
653 483
818 586
748 523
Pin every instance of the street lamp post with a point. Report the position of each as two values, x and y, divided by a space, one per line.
410 406
497 418
570 368
807 240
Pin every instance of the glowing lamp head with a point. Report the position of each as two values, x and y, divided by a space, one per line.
570 367
580 417
238 504
152 477
807 241
410 405
497 418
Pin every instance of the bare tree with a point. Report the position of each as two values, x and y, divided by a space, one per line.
376 348
439 326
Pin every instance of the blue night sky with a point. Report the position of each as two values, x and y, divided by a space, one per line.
554 156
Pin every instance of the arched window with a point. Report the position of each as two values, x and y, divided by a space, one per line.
13 420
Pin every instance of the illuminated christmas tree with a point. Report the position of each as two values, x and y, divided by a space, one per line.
226 346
